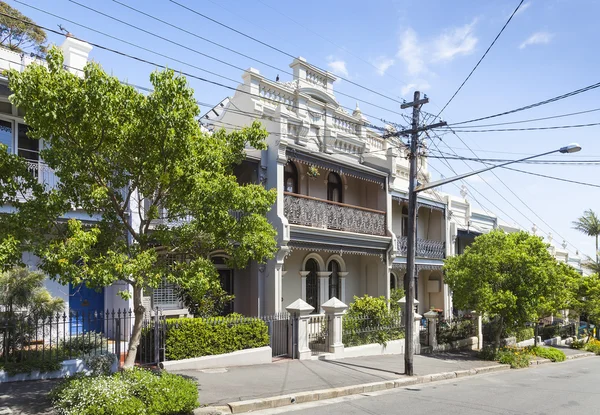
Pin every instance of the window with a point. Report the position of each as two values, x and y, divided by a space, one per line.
392 282
6 134
291 178
404 221
312 284
334 187
28 148
226 277
334 279
165 296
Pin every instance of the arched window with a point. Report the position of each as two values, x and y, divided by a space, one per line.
290 178
312 284
334 187
404 221
393 284
334 279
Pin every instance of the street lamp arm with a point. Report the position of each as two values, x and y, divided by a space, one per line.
437 183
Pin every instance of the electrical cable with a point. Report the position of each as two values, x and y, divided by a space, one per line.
556 127
484 55
535 119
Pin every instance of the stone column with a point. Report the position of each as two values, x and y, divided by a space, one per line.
432 318
334 309
416 337
402 303
342 288
303 275
300 312
323 287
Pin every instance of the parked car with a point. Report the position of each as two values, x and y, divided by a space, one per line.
583 328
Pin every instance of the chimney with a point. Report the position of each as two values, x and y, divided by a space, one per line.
76 54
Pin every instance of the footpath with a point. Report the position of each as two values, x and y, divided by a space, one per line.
251 388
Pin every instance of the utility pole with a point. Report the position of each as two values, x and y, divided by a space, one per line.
409 345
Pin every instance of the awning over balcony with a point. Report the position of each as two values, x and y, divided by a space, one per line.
421 202
337 249
332 166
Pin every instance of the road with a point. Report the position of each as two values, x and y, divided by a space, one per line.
559 388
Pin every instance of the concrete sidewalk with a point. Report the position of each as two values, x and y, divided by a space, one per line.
218 387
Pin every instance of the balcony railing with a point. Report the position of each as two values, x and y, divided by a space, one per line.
318 213
43 173
426 248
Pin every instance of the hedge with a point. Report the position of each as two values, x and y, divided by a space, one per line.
523 334
195 337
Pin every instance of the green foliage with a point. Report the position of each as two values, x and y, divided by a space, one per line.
131 392
517 359
194 337
548 332
523 334
369 321
578 344
33 360
18 35
24 289
100 364
488 353
593 346
455 330
110 144
395 295
84 343
205 304
510 277
547 353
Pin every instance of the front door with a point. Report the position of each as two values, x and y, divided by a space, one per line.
86 307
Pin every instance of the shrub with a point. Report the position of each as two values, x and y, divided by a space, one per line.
194 337
131 392
547 353
369 321
100 364
578 344
549 332
488 353
523 334
516 358
84 343
593 346
450 331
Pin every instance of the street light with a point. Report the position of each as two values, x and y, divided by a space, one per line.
414 189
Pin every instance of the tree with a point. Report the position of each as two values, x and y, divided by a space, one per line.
586 300
23 289
510 277
589 224
164 191
18 35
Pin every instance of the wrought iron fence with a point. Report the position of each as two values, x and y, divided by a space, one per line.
281 327
318 333
424 333
359 330
426 248
53 339
457 328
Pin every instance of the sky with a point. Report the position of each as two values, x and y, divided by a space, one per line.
393 47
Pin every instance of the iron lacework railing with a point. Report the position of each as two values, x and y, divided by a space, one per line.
426 248
49 340
319 213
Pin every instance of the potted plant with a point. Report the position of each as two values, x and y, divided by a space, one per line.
312 172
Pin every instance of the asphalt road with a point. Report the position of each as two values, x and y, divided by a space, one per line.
553 389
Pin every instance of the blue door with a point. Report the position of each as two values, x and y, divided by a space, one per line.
86 307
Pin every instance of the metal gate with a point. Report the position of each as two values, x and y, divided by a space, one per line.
151 350
318 333
280 333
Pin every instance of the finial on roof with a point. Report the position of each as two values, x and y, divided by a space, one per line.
277 78
534 228
564 244
463 191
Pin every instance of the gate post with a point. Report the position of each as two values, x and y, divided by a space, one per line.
478 322
334 309
300 311
432 318
417 333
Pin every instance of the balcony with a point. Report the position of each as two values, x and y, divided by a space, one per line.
426 248
318 213
44 174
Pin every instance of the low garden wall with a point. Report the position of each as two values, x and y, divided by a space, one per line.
470 343
390 347
249 357
68 368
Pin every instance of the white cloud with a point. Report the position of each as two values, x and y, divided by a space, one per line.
337 66
420 86
411 52
456 41
537 39
383 64
524 7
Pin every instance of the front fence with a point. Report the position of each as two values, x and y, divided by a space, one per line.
53 339
318 333
457 328
359 330
281 327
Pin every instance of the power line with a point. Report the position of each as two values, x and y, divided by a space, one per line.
535 119
555 162
204 54
537 104
515 195
277 49
556 127
484 55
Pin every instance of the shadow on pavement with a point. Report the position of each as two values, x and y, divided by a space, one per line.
27 398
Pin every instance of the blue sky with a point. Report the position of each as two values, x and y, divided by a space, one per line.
394 47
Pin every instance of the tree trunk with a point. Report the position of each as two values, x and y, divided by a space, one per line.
136 333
